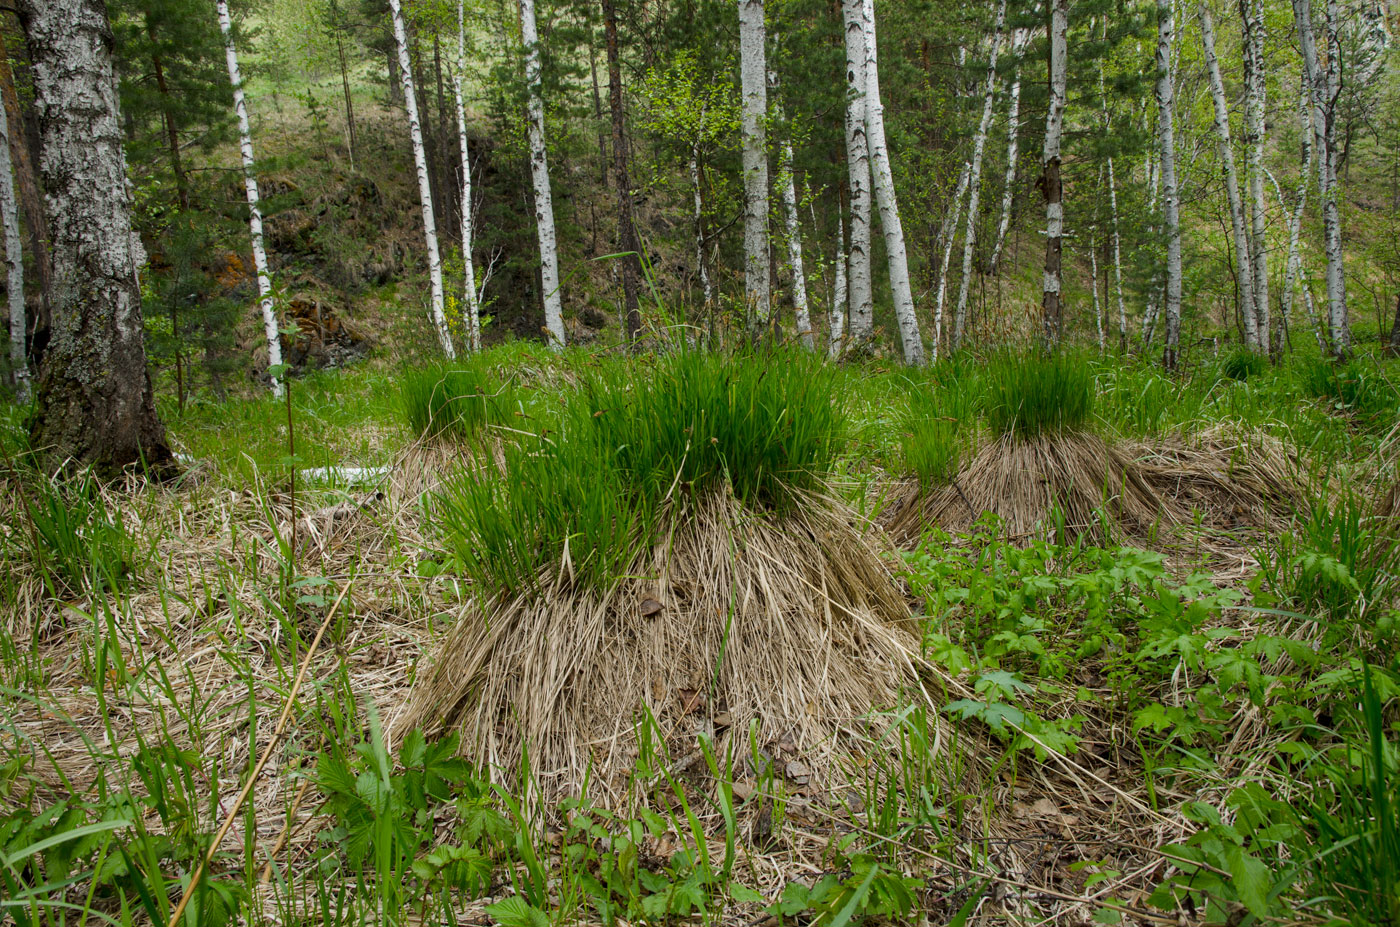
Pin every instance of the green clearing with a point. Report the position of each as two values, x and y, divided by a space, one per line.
1121 729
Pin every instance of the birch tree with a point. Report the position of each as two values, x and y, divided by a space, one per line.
1019 38
1252 18
693 165
897 258
469 294
950 235
539 176
1050 184
753 87
792 227
250 188
1293 265
1243 259
862 322
979 144
95 403
425 189
839 292
1323 86
14 264
1171 303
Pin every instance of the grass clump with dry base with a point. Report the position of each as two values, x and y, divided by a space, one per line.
669 552
1043 464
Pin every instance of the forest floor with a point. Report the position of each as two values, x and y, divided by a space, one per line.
1185 721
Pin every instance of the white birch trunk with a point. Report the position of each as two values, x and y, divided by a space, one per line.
794 245
1293 267
14 265
1244 275
955 219
862 323
1166 120
1117 260
1252 17
468 264
1019 38
979 145
1094 288
694 166
250 186
897 257
839 292
752 77
1052 304
1322 87
539 175
425 191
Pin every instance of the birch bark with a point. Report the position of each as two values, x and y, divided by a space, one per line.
1019 38
694 166
469 296
896 256
792 227
954 220
1171 303
862 322
838 292
1322 85
95 403
425 190
250 187
14 264
979 145
1245 276
1050 183
753 81
539 175
1252 18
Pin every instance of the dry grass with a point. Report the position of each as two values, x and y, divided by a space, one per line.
794 623
1023 483
1232 478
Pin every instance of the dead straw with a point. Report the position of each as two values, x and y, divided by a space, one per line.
262 760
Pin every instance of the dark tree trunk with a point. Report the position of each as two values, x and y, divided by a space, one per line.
31 205
95 404
172 132
626 230
350 135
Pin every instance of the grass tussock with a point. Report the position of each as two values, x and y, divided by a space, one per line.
1034 394
632 446
1072 483
793 624
453 401
669 552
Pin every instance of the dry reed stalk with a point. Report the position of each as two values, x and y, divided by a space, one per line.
793 622
252 780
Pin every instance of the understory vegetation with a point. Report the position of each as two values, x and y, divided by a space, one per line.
1194 722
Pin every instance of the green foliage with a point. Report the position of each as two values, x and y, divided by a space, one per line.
633 442
69 533
454 400
1357 387
1243 363
1335 559
1352 820
1031 394
933 426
